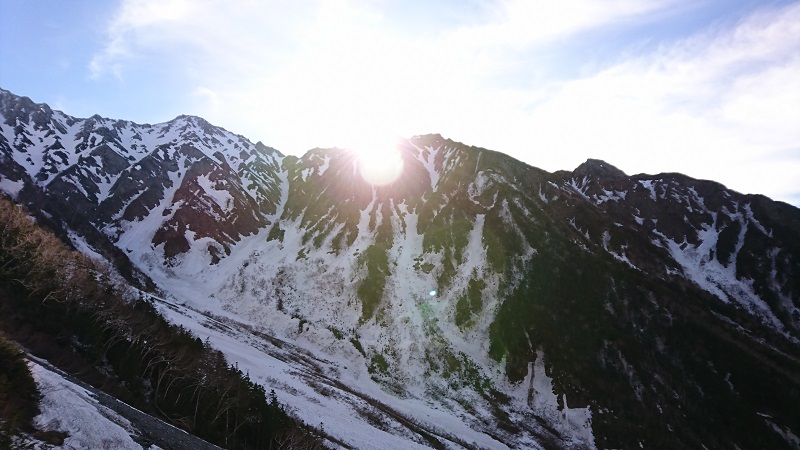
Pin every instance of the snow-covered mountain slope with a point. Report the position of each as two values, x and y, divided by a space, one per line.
166 185
480 301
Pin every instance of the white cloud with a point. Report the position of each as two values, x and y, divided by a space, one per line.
303 74
199 35
140 20
717 106
522 23
325 72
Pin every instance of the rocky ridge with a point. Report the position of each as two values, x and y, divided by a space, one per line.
546 309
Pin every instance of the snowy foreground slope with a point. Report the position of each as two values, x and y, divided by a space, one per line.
93 420
474 302
347 404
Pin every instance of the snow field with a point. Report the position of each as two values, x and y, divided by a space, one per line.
69 408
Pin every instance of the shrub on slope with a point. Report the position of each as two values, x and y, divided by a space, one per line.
61 305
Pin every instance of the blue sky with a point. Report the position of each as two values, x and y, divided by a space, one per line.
709 88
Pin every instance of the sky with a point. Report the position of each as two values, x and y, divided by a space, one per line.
708 88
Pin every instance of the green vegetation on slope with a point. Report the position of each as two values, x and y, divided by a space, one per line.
471 302
376 260
621 342
370 291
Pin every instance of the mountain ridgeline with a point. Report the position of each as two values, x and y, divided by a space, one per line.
554 310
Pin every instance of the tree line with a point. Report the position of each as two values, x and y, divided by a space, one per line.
64 307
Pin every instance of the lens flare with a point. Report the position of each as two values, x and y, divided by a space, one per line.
380 165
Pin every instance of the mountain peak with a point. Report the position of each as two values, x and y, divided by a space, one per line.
598 168
482 289
195 120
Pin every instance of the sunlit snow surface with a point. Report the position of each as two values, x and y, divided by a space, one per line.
294 349
325 380
323 389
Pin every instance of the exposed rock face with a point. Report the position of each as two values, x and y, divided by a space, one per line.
204 181
648 309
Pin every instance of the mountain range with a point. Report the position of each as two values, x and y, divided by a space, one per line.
474 302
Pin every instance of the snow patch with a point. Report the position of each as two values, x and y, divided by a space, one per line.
699 265
648 184
580 186
785 432
11 187
427 157
326 163
755 222
542 197
575 424
619 257
221 197
610 195
135 233
72 409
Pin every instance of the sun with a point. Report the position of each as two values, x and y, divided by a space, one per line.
380 163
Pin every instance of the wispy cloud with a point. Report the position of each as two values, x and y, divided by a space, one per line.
709 106
198 34
523 23
137 24
340 68
303 74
